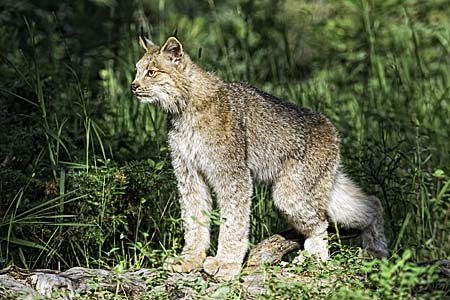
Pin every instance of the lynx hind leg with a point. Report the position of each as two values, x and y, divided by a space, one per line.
351 208
374 241
302 199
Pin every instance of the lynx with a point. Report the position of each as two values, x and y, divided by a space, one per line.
223 136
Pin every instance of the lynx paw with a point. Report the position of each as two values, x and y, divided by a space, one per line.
182 265
221 270
317 246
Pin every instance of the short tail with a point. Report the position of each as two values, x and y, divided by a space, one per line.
351 208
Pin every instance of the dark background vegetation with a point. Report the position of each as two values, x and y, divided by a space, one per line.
85 177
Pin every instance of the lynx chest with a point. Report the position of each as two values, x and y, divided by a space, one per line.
192 144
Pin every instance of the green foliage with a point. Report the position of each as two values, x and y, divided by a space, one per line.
85 176
347 276
125 208
401 277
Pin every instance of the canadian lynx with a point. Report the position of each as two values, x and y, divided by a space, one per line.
225 135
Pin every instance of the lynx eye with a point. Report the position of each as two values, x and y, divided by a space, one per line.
152 73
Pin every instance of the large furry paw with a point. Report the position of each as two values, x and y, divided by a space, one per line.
221 270
317 246
183 264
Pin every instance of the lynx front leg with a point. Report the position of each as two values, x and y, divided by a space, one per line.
234 197
195 203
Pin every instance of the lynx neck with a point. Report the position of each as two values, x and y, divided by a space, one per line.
203 84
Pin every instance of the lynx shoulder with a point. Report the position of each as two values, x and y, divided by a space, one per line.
223 137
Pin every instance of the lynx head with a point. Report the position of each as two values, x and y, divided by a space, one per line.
162 75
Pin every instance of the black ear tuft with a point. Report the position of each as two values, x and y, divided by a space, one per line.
141 32
175 33
147 44
199 52
142 39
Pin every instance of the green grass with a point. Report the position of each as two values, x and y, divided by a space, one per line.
85 177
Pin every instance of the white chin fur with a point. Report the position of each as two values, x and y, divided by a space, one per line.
147 99
157 94
161 100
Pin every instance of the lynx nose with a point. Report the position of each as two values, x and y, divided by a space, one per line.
134 86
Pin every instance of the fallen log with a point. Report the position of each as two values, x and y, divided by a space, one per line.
17 283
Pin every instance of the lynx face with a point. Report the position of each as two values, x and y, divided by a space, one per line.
161 76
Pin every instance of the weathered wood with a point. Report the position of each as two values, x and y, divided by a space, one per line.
11 288
271 250
17 283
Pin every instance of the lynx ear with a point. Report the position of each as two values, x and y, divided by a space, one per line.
173 49
148 45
